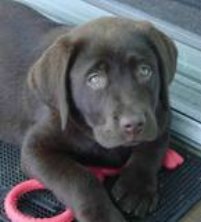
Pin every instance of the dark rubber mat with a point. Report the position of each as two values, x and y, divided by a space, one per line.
179 189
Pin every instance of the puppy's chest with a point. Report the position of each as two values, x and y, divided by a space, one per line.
90 153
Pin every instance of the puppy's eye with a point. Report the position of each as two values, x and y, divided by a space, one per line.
96 80
145 71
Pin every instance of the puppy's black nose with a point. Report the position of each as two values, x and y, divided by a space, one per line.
132 124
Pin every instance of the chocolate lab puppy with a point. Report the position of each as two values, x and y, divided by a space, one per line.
96 94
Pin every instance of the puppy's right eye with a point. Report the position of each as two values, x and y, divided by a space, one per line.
96 80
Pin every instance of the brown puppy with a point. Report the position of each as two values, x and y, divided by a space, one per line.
91 95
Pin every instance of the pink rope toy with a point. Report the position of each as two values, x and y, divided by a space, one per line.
171 161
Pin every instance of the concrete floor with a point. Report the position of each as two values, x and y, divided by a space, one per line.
194 215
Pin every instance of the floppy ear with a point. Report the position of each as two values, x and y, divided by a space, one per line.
166 51
47 77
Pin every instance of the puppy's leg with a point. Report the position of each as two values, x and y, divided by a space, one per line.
45 158
136 189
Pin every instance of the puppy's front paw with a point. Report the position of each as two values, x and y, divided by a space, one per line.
101 213
136 197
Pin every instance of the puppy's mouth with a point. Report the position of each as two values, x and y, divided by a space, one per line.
131 140
132 143
108 139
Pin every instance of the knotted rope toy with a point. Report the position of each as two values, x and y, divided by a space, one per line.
171 161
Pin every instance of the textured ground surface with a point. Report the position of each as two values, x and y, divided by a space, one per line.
179 189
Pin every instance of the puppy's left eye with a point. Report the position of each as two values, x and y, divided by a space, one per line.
145 71
96 80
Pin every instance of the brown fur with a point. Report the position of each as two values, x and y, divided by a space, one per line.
62 125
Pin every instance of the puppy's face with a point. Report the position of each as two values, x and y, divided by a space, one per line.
115 84
117 71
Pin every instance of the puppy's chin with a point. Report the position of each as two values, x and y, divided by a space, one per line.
112 144
107 144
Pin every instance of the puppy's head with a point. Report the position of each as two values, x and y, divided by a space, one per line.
117 72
